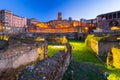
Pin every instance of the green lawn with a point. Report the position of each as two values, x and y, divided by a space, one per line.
84 71
84 64
114 73
83 53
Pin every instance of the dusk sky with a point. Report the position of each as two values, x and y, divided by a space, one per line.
45 10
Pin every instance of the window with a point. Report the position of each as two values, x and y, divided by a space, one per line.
114 15
110 16
119 15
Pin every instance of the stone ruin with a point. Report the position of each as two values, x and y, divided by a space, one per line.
49 69
24 53
21 51
104 45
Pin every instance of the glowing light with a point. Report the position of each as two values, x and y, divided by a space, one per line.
1 27
31 30
4 37
115 28
42 25
98 28
58 46
118 38
86 28
76 23
8 28
39 39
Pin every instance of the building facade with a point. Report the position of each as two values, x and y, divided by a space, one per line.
9 20
91 23
32 21
109 20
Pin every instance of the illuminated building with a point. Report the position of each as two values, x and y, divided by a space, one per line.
76 23
1 28
91 24
59 24
32 21
42 25
56 26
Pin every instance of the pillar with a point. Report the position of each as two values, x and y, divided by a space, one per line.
116 15
112 15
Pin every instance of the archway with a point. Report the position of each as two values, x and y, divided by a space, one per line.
113 23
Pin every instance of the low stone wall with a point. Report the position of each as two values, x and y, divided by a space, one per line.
92 44
100 47
95 46
116 57
19 55
50 68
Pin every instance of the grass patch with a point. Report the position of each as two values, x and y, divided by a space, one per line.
114 74
84 64
82 53
103 58
53 50
83 71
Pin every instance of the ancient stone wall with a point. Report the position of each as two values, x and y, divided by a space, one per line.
116 57
105 46
81 36
94 46
101 47
50 68
21 55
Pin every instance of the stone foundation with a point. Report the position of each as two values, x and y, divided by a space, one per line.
103 46
50 68
20 54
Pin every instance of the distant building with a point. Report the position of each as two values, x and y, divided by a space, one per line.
56 26
9 20
70 18
108 20
59 24
32 21
91 23
83 20
59 16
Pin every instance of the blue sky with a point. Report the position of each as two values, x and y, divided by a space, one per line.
45 10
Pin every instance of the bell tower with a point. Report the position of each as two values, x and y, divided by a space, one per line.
59 16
